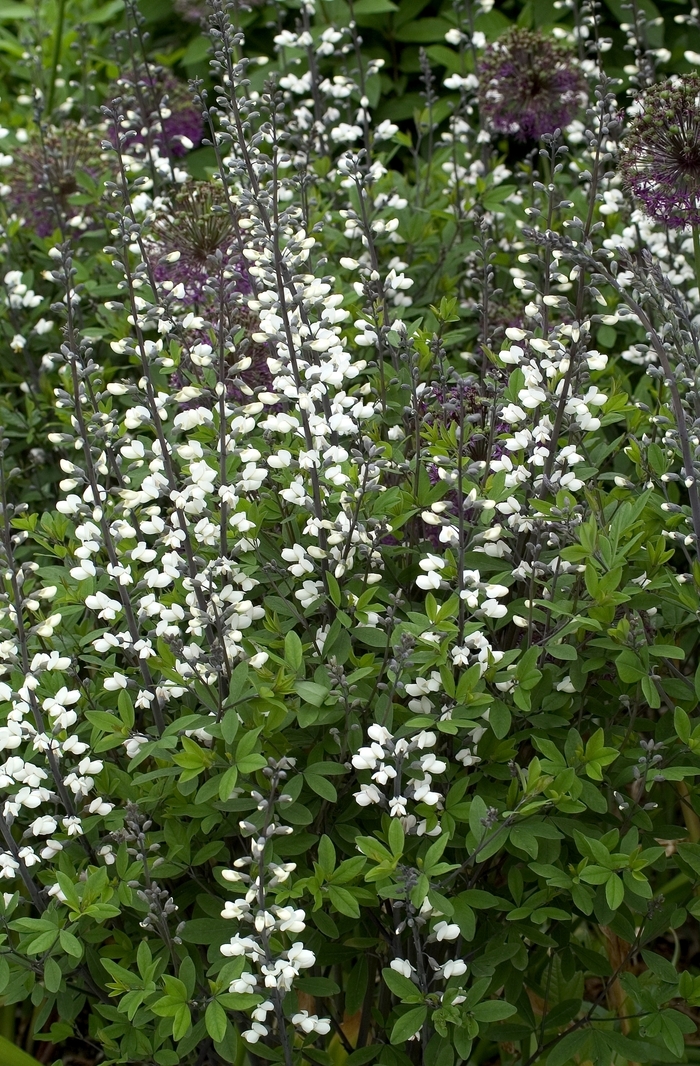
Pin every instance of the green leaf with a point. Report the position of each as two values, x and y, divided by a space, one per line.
311 693
239 1000
229 725
326 855
477 812
10 11
322 787
408 1024
425 31
215 1021
493 198
70 944
11 1055
227 783
562 651
396 838
493 1010
207 931
363 1055
500 719
681 722
53 975
251 763
401 986
372 7
374 638
317 986
181 1022
690 853
562 1053
630 667
247 743
344 901
293 652
334 589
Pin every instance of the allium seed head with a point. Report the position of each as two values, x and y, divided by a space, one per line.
660 163
529 85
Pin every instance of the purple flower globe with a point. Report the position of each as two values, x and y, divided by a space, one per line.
45 175
660 162
196 227
193 246
529 85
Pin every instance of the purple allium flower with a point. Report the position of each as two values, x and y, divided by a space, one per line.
197 233
529 85
197 227
660 163
160 110
45 176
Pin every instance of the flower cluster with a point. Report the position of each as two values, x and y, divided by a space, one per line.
388 759
660 162
529 85
274 968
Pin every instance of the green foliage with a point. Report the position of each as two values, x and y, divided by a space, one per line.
505 870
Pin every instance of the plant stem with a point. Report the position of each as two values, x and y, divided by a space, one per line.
57 42
696 255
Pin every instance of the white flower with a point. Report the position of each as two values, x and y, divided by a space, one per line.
252 1035
444 931
403 966
116 682
385 130
459 81
432 565
454 968
290 920
108 609
311 1023
344 133
367 795
301 957
45 825
300 563
466 758
493 609
309 593
430 764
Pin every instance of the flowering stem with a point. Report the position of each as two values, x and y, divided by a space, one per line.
696 255
57 42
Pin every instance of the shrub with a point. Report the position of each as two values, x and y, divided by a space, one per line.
348 689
